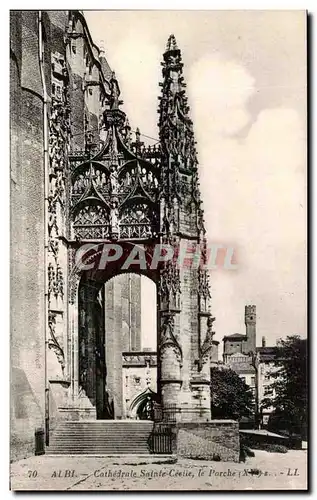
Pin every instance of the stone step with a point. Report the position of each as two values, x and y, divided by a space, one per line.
113 444
104 445
104 425
101 431
109 442
103 436
102 428
108 422
92 449
100 451
93 452
100 437
106 429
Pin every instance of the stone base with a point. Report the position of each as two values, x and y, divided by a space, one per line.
190 414
65 407
77 413
214 440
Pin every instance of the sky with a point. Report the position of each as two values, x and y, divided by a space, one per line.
246 84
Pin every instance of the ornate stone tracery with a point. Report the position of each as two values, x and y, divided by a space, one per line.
182 220
53 342
58 142
91 221
207 345
169 287
120 179
176 130
168 339
137 222
203 288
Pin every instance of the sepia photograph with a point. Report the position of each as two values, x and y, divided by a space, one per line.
158 247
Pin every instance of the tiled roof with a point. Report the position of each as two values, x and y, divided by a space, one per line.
235 336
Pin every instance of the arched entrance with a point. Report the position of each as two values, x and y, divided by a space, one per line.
117 338
91 346
142 407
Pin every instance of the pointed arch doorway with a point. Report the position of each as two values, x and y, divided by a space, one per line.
117 328
142 407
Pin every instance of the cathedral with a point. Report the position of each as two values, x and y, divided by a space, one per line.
81 176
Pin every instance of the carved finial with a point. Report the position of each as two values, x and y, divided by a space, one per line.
171 44
137 145
210 321
89 145
127 124
102 48
137 135
114 92
126 131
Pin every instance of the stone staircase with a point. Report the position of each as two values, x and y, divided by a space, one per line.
101 437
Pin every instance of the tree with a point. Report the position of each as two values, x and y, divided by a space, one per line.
290 385
231 397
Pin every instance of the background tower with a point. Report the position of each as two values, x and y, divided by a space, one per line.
250 325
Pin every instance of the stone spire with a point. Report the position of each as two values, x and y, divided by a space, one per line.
171 43
184 358
179 172
176 128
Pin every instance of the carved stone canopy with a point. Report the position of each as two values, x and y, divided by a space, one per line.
114 194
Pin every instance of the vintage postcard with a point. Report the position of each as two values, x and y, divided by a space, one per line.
158 250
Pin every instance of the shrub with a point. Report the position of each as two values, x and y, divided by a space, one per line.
274 448
274 444
249 452
243 453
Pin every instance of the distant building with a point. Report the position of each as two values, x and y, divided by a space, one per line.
139 373
267 357
253 364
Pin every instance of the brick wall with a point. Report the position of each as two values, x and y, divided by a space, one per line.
27 231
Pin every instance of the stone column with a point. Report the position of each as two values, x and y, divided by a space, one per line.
170 360
170 355
202 347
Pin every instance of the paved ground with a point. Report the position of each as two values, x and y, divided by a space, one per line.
264 471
